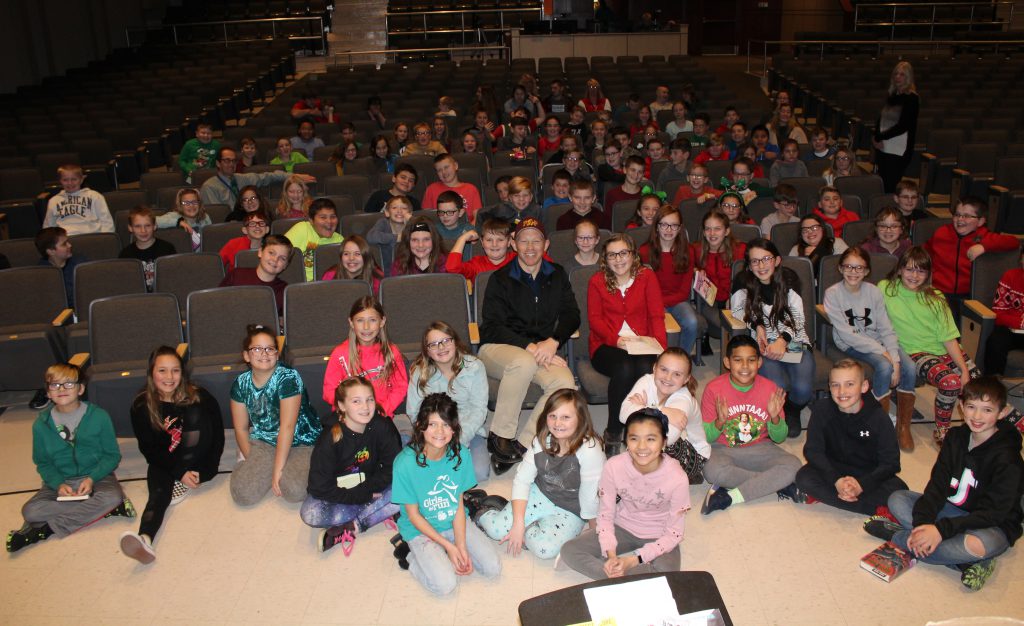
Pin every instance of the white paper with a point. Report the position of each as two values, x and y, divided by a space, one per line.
643 345
709 617
636 603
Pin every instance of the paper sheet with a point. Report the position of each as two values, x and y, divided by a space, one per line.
636 603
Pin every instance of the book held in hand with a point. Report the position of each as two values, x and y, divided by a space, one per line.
349 481
72 498
887 561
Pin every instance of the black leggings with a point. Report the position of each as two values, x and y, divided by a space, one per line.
891 168
624 370
196 445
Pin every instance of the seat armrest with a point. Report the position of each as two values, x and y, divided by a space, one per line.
469 287
928 156
79 360
977 322
280 343
63 317
182 350
671 325
731 322
820 310
474 333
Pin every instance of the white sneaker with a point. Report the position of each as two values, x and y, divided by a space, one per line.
178 493
135 546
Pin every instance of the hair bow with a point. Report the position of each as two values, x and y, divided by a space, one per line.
648 190
732 185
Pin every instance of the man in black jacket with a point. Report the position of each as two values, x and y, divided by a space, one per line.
529 312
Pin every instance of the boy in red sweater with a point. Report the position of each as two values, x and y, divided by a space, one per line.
742 415
1009 309
953 247
830 208
496 254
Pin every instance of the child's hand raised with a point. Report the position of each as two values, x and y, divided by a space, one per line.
722 411
775 403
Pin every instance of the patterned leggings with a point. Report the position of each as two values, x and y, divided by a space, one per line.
323 514
547 526
940 371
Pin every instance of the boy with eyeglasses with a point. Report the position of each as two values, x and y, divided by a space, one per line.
450 216
954 247
145 246
76 453
785 203
698 187
908 201
255 227
610 172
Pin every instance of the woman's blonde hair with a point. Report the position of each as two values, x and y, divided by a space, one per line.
908 69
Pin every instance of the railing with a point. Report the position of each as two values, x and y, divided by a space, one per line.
426 30
894 22
503 51
879 46
275 23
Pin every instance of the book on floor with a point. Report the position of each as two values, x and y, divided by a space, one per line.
887 562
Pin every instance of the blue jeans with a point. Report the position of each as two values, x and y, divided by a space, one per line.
881 382
430 566
951 551
481 458
796 378
686 317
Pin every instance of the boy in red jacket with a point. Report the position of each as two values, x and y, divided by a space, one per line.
830 208
494 240
955 246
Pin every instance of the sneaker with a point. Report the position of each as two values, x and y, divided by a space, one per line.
504 450
336 535
883 511
178 492
137 547
881 527
125 509
26 536
975 575
939 434
792 492
39 401
716 499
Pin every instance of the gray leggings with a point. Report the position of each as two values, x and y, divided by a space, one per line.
251 479
65 518
756 470
583 554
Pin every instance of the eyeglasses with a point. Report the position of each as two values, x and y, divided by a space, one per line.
762 261
915 270
586 238
667 226
572 158
729 206
965 216
189 203
856 269
440 343
697 175
256 224
250 199
810 229
611 153
68 384
447 212
842 158
267 350
623 254
893 226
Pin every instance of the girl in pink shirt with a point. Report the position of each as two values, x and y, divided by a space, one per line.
368 353
644 496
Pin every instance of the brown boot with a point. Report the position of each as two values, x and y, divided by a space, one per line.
904 413
885 403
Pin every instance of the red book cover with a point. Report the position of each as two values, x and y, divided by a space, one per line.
887 561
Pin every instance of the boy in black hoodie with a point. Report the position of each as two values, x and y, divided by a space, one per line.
970 511
851 450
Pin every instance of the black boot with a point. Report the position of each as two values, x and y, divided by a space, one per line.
499 467
504 450
490 503
792 411
612 444
472 499
705 346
